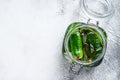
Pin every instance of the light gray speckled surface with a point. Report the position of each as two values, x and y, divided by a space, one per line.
109 69
31 34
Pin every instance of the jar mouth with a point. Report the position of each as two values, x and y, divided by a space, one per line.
97 8
82 62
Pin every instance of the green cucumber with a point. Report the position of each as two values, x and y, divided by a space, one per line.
94 40
70 27
76 45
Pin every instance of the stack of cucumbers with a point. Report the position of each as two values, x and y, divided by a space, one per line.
85 43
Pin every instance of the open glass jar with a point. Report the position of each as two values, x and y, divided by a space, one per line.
85 43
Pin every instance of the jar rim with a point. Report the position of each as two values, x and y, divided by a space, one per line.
94 14
69 53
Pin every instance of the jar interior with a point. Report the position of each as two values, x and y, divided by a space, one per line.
75 45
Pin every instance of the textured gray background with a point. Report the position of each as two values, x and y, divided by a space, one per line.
31 34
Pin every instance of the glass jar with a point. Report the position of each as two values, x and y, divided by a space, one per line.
88 31
84 42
